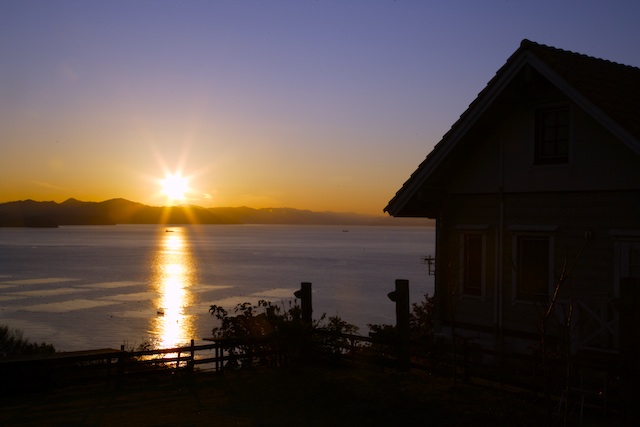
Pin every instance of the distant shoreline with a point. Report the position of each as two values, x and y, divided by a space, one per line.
34 214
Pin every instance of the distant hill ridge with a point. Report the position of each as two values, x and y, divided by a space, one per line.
30 213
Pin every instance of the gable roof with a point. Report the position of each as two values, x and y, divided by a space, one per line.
608 91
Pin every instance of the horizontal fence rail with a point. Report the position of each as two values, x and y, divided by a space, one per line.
112 364
217 355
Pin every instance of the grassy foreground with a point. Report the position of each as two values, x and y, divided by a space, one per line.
310 395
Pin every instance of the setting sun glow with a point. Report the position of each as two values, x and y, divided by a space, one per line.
175 186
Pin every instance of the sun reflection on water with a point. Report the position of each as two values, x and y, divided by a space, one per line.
174 273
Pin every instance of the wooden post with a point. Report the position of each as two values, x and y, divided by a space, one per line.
304 294
121 357
401 297
192 360
218 364
629 308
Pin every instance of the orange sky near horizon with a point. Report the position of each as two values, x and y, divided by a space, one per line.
320 105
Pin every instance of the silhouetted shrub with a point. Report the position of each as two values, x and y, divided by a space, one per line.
12 344
256 321
332 338
269 333
420 329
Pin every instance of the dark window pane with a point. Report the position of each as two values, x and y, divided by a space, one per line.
533 268
552 136
472 279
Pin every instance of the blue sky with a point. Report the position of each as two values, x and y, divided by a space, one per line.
322 105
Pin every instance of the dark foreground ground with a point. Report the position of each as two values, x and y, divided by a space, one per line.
295 396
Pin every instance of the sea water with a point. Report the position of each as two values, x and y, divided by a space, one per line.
89 287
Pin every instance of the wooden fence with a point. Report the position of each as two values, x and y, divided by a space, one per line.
218 355
115 365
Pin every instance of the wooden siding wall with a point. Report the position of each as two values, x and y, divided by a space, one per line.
502 145
572 214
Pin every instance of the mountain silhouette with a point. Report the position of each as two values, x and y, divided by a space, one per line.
30 213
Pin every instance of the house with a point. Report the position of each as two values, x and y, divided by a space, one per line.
536 188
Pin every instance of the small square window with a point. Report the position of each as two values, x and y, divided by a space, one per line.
552 136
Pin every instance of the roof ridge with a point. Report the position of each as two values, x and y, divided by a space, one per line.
528 44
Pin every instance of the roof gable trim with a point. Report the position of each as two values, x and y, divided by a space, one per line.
466 121
580 100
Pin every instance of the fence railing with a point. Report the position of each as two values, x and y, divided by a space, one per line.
115 365
217 355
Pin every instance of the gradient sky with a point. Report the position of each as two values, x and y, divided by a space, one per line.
321 105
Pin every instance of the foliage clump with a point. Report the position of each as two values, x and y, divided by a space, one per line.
271 333
420 321
12 344
420 327
256 321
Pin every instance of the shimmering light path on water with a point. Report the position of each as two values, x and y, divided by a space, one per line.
175 273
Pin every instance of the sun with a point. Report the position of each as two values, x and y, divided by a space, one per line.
175 186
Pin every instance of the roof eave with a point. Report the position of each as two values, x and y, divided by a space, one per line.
466 121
